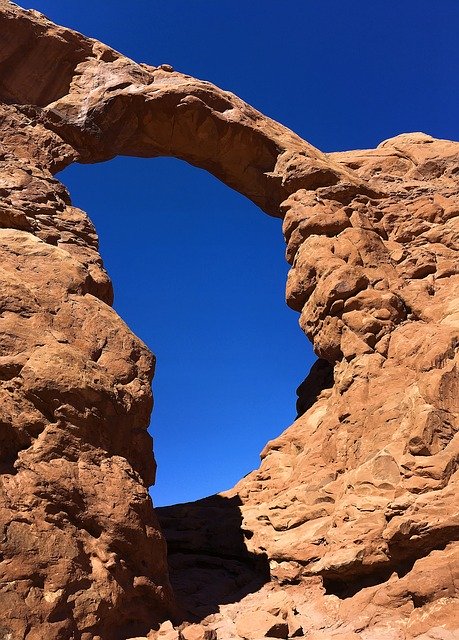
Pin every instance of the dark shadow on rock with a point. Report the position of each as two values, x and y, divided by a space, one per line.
208 560
12 441
318 379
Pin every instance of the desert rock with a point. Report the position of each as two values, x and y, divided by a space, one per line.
349 528
260 624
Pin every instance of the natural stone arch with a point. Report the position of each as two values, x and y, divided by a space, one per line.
109 105
372 242
113 106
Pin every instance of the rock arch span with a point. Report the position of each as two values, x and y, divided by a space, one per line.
360 491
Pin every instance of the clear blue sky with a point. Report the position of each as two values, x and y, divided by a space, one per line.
198 271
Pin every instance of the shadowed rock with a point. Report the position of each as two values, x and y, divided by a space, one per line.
208 559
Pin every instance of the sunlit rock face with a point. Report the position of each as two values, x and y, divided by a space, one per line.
349 528
354 506
80 548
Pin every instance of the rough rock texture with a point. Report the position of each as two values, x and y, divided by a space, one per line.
356 502
350 527
80 546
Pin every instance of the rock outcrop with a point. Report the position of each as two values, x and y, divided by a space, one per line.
350 527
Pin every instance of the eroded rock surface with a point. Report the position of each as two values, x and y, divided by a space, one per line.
350 527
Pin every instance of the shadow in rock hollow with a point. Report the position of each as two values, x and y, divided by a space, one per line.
319 378
208 560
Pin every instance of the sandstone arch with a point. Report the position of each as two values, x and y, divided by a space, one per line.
360 490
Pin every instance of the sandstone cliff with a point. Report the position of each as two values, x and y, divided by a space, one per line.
349 528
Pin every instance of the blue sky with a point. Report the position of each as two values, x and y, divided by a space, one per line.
198 271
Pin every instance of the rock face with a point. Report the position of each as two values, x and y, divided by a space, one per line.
350 527
80 545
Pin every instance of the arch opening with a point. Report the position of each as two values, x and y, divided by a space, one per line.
199 275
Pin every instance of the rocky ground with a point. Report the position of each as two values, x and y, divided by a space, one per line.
349 529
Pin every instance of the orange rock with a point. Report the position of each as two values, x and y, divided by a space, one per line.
353 511
261 624
197 632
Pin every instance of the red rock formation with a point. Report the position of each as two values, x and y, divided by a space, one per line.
351 522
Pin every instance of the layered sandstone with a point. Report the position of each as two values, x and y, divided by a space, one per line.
349 528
